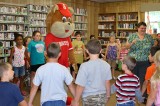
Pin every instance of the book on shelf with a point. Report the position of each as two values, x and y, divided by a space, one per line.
106 26
80 11
106 34
13 10
39 8
80 19
127 25
123 34
106 18
128 17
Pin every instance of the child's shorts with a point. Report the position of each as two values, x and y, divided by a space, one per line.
95 100
112 63
35 67
19 71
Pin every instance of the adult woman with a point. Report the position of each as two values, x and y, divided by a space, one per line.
139 44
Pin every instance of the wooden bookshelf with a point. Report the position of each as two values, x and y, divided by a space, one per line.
119 24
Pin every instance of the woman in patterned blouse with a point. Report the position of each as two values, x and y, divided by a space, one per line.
140 44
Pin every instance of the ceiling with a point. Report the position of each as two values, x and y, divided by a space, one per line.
104 1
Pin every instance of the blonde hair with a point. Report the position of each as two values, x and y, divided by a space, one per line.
156 77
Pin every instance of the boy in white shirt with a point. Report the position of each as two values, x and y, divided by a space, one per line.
52 76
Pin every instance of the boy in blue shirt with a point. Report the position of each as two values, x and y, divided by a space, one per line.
93 79
10 94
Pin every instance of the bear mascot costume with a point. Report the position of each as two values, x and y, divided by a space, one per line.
59 28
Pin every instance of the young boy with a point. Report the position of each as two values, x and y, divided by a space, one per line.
150 71
93 79
127 85
10 94
52 76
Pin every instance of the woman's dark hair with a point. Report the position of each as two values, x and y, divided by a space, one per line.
16 35
140 24
34 33
77 33
92 36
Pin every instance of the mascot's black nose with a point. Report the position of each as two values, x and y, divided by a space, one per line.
68 23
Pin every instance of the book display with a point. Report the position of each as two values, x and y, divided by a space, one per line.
13 18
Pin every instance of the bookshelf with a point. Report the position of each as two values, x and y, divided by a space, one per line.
106 27
13 18
126 24
37 17
120 25
81 23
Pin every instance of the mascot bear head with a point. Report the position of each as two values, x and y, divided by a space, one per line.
59 21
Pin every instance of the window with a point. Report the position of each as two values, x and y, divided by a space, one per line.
152 19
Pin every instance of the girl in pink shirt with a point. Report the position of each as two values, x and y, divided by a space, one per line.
154 96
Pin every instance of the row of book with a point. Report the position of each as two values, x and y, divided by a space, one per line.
38 16
107 18
106 26
42 30
80 19
128 17
106 34
103 42
6 44
39 8
8 27
80 26
6 36
127 25
38 23
124 34
80 11
7 18
13 10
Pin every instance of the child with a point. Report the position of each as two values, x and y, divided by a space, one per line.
150 71
52 76
10 93
154 96
17 60
36 51
127 85
93 79
123 53
79 49
112 54
27 39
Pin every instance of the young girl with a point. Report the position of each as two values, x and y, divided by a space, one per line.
79 51
112 54
36 51
17 61
154 96
123 53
